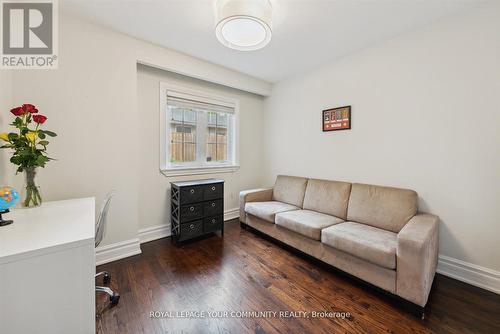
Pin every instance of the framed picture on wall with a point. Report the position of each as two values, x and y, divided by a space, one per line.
337 119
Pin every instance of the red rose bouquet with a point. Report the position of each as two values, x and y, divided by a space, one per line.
29 145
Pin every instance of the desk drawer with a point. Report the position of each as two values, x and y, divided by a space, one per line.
191 230
212 224
213 191
213 208
191 212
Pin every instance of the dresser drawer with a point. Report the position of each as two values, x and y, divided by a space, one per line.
213 191
191 212
213 224
191 230
191 194
212 208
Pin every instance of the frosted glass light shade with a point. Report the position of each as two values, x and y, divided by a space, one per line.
244 24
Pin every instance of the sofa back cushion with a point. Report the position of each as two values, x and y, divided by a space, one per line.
330 197
383 207
290 189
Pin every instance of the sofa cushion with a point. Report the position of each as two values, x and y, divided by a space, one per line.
305 222
366 242
267 210
330 197
383 207
290 189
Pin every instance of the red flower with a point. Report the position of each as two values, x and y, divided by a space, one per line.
30 108
40 119
19 111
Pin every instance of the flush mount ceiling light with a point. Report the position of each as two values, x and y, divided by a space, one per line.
243 25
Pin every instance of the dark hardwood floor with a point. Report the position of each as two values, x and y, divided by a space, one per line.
244 272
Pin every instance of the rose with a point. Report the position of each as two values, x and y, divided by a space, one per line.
19 111
40 119
4 136
32 136
29 108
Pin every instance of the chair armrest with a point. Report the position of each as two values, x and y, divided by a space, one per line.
254 195
417 255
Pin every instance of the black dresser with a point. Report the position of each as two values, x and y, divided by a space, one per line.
197 208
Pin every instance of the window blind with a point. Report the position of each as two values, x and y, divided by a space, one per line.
186 103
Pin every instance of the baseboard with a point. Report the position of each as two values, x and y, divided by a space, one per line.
154 233
481 277
117 251
231 214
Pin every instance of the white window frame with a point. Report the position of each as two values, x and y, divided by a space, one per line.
166 169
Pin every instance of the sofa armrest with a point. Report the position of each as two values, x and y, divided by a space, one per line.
254 195
417 255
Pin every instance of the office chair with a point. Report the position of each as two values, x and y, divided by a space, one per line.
100 232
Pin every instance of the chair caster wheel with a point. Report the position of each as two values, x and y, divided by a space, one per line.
106 279
114 299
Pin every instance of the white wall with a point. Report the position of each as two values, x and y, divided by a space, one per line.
91 102
6 171
426 116
154 187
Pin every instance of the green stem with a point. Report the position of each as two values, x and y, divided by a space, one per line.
33 197
36 131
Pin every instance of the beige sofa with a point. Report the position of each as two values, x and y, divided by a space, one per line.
372 232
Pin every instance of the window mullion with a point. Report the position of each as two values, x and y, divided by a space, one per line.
201 139
216 135
183 146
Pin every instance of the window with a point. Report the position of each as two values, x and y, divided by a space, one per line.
200 132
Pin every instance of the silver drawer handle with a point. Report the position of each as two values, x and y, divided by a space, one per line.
192 191
191 226
213 221
191 209
213 188
213 205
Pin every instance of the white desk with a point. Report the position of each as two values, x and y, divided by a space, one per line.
47 267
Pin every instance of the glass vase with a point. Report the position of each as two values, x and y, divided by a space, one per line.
32 197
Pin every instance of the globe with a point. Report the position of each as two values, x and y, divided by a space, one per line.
8 198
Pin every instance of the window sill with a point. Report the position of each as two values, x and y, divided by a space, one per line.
180 171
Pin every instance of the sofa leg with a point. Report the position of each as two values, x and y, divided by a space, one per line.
422 313
243 225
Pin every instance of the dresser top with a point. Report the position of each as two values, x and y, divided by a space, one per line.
196 182
51 227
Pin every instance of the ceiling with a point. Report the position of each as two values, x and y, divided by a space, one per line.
306 33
